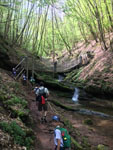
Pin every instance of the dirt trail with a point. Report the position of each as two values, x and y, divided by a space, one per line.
99 133
43 131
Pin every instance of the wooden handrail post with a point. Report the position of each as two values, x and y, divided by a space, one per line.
27 68
33 67
19 74
20 62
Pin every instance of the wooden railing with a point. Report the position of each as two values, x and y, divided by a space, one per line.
30 63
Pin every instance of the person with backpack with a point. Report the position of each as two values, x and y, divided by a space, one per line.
42 94
32 81
24 79
62 139
35 89
14 72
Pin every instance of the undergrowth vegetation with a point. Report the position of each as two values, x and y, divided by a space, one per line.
20 136
15 114
16 100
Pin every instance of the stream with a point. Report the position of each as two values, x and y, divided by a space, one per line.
98 107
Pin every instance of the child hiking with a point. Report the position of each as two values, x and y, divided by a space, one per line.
42 94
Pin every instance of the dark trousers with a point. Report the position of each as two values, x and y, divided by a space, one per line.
61 148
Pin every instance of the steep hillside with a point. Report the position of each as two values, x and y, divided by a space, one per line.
96 72
17 103
14 115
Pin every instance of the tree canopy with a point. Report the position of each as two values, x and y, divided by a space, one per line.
46 27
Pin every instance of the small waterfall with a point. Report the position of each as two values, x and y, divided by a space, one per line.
60 78
76 95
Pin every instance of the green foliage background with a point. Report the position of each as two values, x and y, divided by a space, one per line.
24 23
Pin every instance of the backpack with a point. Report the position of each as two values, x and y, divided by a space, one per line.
66 137
42 95
35 89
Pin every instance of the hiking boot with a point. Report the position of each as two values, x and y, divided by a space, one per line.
45 120
42 120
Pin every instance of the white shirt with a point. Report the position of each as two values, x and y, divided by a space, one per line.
58 136
45 90
35 89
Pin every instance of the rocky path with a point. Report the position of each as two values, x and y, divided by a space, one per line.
43 131
100 133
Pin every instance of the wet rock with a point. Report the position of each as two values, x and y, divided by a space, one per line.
84 95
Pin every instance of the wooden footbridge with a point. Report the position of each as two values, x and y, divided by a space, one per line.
33 64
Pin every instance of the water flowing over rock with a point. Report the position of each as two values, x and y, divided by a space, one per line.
76 95
60 78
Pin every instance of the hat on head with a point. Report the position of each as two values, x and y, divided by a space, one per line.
41 84
55 118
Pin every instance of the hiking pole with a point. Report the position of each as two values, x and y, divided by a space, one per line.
50 106
53 109
27 68
33 67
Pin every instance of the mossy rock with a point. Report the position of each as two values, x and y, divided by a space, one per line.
93 89
88 122
102 147
57 103
54 83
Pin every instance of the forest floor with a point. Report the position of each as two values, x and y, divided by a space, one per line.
98 133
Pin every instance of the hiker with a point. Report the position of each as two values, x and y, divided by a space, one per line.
24 79
62 139
32 80
80 60
55 65
42 94
14 72
36 88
